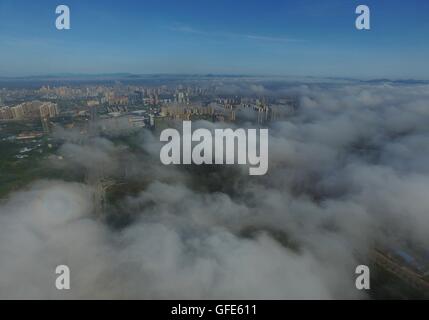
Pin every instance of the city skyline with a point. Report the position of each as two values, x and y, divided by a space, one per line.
272 38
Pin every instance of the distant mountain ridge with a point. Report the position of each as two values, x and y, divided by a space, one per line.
133 76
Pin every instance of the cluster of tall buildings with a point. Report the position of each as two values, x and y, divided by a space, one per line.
119 94
69 92
160 103
118 101
229 102
48 110
181 112
227 109
5 113
29 110
181 97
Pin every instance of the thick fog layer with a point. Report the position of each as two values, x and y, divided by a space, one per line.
348 171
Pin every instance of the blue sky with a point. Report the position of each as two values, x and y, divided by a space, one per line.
266 37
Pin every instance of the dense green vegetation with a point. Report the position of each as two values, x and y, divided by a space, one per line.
15 173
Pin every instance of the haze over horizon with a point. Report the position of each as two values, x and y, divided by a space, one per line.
127 76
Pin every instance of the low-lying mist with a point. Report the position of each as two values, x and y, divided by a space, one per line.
348 171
